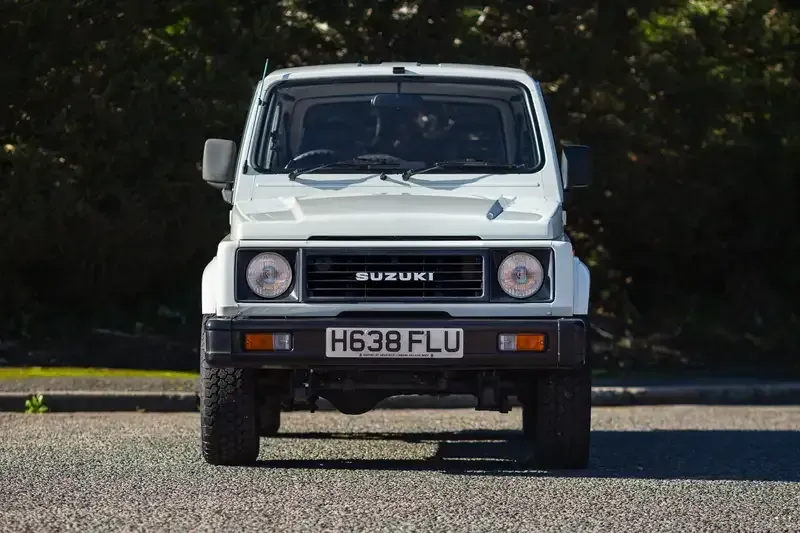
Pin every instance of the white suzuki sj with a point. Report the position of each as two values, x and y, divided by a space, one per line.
396 228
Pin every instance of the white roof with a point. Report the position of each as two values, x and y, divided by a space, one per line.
378 69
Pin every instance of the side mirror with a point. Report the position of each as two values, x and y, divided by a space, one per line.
219 161
576 166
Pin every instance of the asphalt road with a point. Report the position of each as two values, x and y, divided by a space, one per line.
678 468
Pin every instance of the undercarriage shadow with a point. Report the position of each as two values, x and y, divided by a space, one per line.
665 454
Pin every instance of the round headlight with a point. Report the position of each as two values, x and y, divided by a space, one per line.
269 275
520 275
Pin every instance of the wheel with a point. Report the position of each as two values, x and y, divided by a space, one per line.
228 424
269 414
529 419
526 393
559 423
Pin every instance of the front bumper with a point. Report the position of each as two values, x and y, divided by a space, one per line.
565 347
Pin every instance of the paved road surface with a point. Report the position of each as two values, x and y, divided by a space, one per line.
679 468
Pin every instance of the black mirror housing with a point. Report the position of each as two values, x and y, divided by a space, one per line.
576 166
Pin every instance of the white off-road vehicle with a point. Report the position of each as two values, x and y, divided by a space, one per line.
395 229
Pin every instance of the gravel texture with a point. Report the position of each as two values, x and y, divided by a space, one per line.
672 468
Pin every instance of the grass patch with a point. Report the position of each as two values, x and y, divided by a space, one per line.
77 372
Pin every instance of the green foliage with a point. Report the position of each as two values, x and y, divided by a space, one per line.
691 107
32 372
35 405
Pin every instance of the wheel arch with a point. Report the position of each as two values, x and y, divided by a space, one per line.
209 292
581 288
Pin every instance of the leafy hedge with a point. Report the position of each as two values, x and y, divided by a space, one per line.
691 107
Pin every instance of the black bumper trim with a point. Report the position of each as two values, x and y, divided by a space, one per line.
566 346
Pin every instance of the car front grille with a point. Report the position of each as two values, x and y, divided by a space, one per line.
390 276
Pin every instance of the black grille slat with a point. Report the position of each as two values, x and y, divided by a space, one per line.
473 280
393 289
454 272
331 276
368 264
395 238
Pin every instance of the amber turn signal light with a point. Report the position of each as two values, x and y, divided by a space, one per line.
267 342
523 342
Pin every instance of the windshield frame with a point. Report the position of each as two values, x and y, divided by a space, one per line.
258 150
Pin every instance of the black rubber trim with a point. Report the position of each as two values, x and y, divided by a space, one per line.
546 257
241 262
566 346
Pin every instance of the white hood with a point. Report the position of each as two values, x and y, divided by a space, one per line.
292 210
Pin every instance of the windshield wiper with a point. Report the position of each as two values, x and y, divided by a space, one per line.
355 162
461 163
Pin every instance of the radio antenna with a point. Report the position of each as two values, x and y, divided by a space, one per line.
263 89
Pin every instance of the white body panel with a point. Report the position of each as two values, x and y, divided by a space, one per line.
580 297
208 304
563 304
373 209
273 211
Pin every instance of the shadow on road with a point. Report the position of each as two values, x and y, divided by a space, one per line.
667 454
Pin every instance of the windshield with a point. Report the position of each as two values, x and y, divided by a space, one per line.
414 124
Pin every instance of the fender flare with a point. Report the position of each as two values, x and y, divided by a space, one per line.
582 283
209 293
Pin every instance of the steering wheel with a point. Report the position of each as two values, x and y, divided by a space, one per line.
324 155
311 158
381 158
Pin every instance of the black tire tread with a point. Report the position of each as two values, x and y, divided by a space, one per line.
228 423
269 415
563 419
529 419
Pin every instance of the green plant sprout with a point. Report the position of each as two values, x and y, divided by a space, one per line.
35 404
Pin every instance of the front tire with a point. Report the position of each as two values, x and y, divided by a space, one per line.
269 415
559 423
228 421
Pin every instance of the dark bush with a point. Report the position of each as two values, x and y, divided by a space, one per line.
691 107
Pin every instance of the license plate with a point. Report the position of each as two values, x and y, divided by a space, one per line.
391 343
